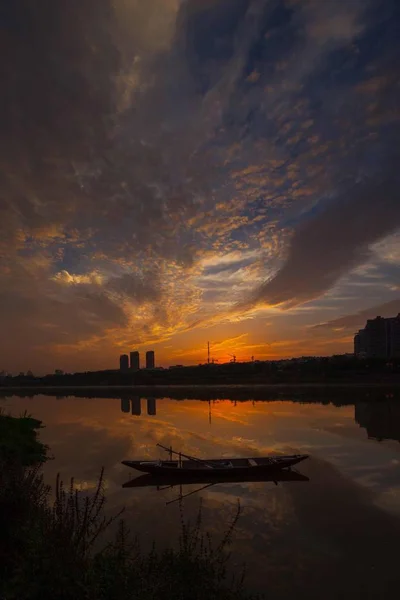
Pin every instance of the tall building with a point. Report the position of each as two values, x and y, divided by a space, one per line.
380 338
360 343
151 406
394 337
135 360
136 406
150 359
124 362
125 405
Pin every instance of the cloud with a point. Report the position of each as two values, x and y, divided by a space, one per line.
389 249
68 278
231 262
334 241
356 321
151 148
137 288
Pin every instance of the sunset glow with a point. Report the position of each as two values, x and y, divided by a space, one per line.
178 173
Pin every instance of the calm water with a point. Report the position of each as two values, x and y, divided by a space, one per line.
337 535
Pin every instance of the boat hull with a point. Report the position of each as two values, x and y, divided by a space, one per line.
216 467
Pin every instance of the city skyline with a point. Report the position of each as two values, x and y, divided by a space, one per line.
183 172
131 362
379 338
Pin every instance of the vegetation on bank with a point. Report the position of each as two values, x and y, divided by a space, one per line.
18 440
48 547
341 369
338 395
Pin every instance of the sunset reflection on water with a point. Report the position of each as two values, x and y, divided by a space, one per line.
345 519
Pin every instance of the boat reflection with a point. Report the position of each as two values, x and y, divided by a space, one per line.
203 478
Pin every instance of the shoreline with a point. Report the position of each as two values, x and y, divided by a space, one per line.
336 393
213 386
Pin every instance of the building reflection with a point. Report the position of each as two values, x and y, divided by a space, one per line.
136 406
151 406
380 419
125 405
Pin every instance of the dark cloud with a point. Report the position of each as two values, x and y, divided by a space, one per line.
138 288
71 157
357 321
145 133
206 35
335 240
58 76
37 312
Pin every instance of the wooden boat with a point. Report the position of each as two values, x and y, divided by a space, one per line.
202 477
213 467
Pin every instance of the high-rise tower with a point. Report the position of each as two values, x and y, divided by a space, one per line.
150 359
124 362
135 360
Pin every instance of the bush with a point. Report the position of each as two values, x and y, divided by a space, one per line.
18 440
49 551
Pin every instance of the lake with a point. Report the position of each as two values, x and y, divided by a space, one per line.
334 536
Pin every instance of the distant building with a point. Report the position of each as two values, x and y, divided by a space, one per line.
394 337
125 405
124 362
150 359
360 343
135 360
377 338
380 338
136 406
151 406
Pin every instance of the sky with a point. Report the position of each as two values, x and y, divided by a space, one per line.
181 171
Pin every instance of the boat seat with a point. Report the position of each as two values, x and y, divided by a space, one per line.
252 462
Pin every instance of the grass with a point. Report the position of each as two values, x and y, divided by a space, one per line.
48 547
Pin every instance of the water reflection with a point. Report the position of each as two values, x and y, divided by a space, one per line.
151 406
125 405
170 480
335 536
381 420
204 479
134 405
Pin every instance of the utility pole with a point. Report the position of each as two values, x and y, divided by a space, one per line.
208 353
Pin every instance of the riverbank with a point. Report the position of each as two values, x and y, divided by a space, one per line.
263 392
186 386
19 441
47 547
